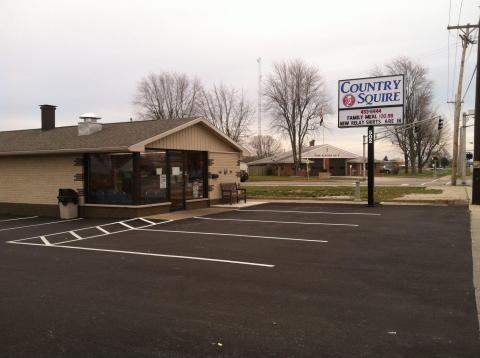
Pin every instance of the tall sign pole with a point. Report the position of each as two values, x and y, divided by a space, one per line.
371 167
476 140
371 102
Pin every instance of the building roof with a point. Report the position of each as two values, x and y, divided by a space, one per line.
361 160
313 152
114 137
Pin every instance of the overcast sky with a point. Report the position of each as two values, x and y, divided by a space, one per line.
88 56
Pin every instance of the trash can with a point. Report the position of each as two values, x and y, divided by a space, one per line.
68 203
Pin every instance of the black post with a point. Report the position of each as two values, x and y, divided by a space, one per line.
476 141
371 167
136 178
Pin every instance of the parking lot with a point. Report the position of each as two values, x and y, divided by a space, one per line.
279 280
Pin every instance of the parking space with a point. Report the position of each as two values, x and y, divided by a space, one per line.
267 280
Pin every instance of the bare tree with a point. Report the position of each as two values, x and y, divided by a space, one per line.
265 146
430 141
415 141
167 95
227 109
297 100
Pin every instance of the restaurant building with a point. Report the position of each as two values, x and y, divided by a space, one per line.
124 169
317 160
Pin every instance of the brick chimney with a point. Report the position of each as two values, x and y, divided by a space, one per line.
48 116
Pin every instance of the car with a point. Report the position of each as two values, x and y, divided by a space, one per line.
243 176
385 170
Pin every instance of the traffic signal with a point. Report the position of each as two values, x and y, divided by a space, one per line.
440 123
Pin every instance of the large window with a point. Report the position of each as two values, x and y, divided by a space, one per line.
153 177
143 178
110 179
196 172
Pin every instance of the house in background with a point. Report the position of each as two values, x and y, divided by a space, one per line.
324 159
123 169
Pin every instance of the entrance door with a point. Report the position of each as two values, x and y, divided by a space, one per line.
177 179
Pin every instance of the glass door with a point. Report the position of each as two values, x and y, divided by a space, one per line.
177 179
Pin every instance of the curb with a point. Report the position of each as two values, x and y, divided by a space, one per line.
453 202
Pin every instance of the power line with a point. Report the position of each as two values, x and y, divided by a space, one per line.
469 83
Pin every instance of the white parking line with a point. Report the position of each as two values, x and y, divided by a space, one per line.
126 225
152 254
273 221
51 222
99 227
23 218
111 233
308 212
74 234
102 230
235 235
45 241
148 221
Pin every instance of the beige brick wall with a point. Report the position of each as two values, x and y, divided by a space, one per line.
222 161
36 179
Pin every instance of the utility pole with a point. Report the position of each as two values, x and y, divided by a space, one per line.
466 40
463 146
476 139
259 60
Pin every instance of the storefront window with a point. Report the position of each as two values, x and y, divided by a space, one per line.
110 179
196 173
153 177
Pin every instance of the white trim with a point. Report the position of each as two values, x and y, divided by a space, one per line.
140 146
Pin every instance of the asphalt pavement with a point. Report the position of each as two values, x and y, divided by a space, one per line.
273 280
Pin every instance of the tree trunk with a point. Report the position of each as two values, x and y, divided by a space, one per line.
405 156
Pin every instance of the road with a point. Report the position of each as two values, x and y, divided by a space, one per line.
379 181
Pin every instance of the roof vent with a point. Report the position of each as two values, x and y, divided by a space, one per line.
90 124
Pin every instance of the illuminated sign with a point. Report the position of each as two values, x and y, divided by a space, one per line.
373 101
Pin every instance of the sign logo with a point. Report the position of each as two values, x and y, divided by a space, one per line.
349 100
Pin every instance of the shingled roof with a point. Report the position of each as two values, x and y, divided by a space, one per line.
113 137
313 152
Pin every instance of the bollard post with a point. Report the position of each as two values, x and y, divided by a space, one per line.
357 191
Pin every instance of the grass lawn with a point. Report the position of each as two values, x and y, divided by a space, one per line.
312 192
299 179
425 173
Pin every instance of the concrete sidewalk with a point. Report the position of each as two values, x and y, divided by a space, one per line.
451 195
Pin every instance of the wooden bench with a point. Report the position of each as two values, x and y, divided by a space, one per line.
232 191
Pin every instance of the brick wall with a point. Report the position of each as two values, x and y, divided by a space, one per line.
220 162
36 179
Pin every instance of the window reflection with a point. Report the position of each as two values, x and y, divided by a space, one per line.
153 177
111 178
196 175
